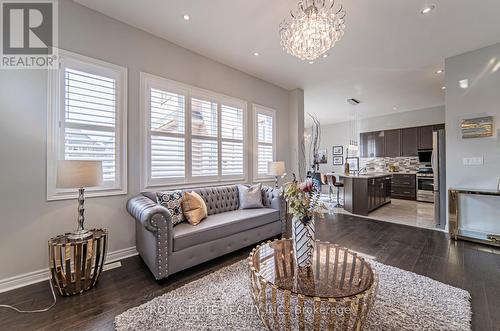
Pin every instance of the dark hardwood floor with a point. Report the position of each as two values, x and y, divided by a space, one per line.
473 267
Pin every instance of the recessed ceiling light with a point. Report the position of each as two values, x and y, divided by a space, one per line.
395 108
256 53
426 10
440 71
311 62
325 55
443 88
186 17
464 83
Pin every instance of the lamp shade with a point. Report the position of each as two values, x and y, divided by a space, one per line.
276 168
76 174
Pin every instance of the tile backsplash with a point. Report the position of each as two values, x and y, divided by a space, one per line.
381 164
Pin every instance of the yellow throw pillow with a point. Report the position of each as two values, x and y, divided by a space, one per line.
194 208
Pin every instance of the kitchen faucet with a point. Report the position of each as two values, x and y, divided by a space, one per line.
360 171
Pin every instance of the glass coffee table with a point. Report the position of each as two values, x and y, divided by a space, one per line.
335 293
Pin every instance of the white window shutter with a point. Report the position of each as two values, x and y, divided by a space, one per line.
167 121
90 119
265 142
233 154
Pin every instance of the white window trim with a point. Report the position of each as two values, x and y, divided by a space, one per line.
258 109
54 135
148 81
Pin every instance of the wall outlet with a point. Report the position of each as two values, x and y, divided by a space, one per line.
473 161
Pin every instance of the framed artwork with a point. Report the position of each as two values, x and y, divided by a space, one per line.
477 127
338 150
353 163
322 157
338 160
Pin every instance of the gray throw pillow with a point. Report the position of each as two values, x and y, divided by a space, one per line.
250 196
172 201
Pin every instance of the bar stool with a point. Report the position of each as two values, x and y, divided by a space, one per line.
338 185
329 182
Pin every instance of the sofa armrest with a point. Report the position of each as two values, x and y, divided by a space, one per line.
271 198
147 212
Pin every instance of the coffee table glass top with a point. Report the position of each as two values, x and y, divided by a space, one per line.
336 272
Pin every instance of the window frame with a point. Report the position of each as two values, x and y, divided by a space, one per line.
258 109
148 81
56 127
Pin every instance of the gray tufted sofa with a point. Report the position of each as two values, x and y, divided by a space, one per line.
167 249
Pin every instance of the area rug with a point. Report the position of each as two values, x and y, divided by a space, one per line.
221 301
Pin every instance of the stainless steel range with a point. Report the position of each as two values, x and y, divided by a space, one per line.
425 185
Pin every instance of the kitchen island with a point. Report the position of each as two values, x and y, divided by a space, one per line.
367 192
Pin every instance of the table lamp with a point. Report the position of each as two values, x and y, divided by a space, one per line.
276 169
79 174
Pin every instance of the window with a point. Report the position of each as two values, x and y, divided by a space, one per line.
264 119
191 135
87 121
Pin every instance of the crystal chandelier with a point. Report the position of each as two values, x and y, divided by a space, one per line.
313 28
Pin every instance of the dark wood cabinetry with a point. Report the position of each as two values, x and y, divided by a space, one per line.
379 192
392 141
425 137
372 144
364 194
403 186
398 142
409 141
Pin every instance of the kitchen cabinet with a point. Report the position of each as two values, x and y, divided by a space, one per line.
409 141
363 142
425 137
379 192
372 144
392 140
365 193
403 186
398 142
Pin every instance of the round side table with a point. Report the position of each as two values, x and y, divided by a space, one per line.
335 293
75 265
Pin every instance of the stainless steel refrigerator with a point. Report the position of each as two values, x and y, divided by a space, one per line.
439 169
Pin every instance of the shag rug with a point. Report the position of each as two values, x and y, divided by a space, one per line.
221 301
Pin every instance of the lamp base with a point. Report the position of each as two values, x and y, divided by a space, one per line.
79 235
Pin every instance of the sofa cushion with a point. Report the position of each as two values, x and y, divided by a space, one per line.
221 225
172 201
250 196
194 208
219 199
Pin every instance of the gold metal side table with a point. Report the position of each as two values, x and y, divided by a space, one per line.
75 265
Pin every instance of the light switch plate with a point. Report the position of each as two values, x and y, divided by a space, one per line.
473 161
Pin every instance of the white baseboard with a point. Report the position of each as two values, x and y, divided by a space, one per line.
41 275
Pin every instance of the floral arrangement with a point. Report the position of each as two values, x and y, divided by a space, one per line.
303 200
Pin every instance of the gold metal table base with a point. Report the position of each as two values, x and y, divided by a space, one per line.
75 265
454 227
336 293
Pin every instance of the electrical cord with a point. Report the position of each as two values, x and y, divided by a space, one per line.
37 310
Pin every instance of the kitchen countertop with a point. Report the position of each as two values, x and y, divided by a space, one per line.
371 175
365 176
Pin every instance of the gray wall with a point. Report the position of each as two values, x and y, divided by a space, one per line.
480 99
27 219
339 133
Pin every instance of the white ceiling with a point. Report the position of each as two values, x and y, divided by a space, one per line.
387 58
